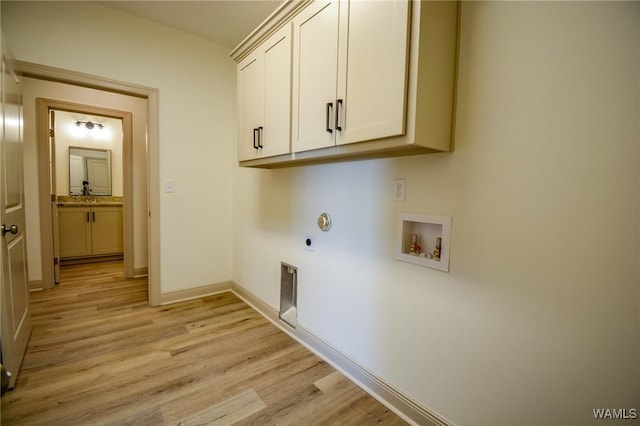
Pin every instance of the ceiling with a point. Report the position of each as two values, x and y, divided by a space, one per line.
226 22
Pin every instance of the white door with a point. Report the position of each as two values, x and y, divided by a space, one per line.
14 301
76 174
315 57
372 70
99 176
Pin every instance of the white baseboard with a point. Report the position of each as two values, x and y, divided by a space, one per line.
140 272
37 285
194 293
395 400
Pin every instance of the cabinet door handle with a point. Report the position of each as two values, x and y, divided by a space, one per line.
338 105
329 108
94 216
88 217
255 145
260 137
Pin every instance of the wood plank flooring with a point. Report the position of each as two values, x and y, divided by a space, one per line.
99 354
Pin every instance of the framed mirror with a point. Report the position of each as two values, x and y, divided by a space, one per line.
89 171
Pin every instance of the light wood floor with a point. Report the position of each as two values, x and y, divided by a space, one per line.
99 354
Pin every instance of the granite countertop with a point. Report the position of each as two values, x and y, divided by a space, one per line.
88 200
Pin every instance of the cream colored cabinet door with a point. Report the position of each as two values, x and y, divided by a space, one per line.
74 231
90 231
250 105
264 96
275 135
315 56
372 70
350 72
106 230
14 300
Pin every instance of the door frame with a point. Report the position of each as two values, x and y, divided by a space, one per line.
47 185
29 69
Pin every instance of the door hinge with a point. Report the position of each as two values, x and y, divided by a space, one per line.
56 261
52 133
53 198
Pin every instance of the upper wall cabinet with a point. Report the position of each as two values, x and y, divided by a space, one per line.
349 72
264 99
367 79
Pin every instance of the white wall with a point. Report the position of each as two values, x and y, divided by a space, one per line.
107 138
196 82
538 320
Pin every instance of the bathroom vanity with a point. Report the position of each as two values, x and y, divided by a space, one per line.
90 228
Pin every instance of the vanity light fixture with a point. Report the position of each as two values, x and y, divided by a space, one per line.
89 124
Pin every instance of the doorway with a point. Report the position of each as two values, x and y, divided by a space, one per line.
87 180
149 218
51 158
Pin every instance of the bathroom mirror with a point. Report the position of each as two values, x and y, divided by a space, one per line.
89 171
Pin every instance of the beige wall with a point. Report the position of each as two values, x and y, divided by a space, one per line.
107 138
538 320
196 85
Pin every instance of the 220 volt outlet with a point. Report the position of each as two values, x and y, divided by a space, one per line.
308 242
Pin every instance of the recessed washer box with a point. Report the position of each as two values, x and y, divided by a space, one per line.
424 240
289 294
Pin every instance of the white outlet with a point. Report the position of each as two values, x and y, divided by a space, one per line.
398 190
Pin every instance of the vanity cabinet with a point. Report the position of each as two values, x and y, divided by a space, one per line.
264 98
90 231
349 72
369 79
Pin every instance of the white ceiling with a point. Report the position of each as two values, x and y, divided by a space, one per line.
226 22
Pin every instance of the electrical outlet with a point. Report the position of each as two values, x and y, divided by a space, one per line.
398 190
308 243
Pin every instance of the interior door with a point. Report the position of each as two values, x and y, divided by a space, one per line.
14 301
76 174
99 176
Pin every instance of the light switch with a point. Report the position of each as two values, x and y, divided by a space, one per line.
169 185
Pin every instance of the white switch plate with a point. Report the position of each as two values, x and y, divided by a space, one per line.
169 185
398 190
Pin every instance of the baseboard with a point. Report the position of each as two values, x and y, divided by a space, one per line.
91 259
395 400
194 293
37 285
140 272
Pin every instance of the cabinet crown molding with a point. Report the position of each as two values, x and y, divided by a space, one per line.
273 23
